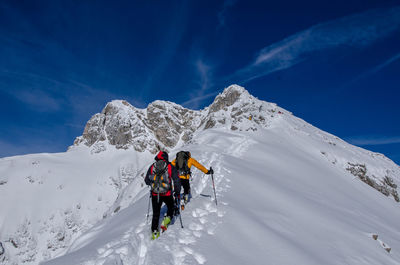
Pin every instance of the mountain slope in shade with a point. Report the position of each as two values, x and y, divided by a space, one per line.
288 193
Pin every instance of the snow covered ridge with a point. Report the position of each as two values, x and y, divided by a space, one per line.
164 124
88 205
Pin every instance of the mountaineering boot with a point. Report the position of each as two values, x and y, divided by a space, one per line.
155 235
165 223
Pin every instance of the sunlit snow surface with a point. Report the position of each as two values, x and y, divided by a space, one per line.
284 197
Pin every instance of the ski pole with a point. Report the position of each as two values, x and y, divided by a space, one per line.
215 194
148 209
177 210
180 217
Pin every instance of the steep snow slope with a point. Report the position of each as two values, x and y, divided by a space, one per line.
280 202
47 200
285 189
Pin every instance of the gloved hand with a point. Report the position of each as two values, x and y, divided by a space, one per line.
210 171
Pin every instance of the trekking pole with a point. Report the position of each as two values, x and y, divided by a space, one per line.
148 209
180 217
178 211
215 194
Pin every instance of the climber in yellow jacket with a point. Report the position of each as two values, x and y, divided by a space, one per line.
183 162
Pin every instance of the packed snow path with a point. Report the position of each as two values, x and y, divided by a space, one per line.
129 230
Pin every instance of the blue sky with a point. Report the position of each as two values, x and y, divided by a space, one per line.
335 64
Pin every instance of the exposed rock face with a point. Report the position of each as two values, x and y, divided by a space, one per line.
238 110
385 186
169 121
163 124
228 98
120 124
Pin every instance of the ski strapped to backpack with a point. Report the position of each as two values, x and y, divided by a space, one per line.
159 175
182 158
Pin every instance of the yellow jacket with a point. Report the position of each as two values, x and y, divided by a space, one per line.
191 162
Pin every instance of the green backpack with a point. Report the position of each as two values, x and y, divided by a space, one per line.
161 180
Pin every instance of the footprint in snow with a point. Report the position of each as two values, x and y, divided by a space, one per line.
186 237
199 213
195 227
197 256
203 220
210 207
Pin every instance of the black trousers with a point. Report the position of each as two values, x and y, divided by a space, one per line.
186 186
169 201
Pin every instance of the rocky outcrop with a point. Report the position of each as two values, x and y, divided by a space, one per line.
119 124
171 122
385 186
236 109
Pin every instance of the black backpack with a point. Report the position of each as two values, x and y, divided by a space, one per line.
161 180
181 164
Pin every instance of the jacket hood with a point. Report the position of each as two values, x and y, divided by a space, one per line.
162 156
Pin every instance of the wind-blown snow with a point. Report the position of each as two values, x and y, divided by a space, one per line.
285 189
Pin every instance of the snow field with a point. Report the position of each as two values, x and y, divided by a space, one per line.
130 241
279 201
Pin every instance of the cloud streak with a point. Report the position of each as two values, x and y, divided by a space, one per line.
196 100
384 64
356 31
374 69
205 72
170 44
205 82
373 140
223 12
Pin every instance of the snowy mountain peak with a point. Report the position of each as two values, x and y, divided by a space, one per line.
235 89
118 106
228 97
236 109
165 124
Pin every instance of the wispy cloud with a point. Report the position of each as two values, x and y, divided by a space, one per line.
222 14
384 64
170 43
196 100
39 100
36 91
204 83
374 69
356 31
373 140
205 74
